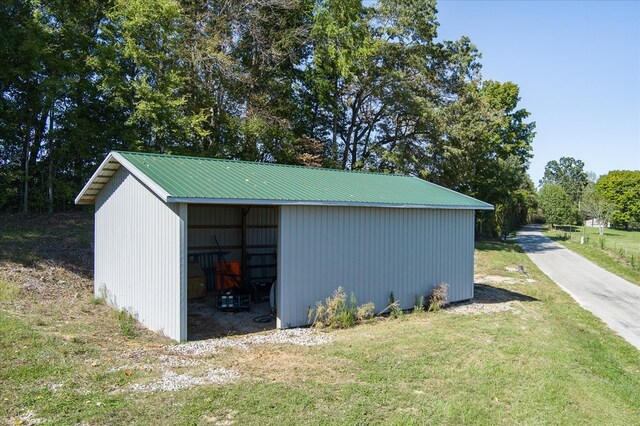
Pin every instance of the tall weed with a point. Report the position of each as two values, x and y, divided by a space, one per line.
336 312
438 297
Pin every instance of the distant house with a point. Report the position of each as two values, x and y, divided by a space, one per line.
370 233
595 223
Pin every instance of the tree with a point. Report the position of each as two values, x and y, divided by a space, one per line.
621 188
330 83
596 206
556 205
142 74
569 174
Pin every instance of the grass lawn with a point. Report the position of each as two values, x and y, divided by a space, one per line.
525 353
617 251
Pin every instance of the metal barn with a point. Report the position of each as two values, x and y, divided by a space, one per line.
372 234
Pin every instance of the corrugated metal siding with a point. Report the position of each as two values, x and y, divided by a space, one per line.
138 241
225 222
371 252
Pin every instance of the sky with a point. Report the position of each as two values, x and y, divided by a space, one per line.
577 64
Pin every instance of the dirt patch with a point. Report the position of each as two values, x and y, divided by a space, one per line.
45 279
488 300
207 322
498 279
479 308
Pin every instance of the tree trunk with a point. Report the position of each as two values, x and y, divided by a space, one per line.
51 160
25 159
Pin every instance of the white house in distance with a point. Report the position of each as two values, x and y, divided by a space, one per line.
370 233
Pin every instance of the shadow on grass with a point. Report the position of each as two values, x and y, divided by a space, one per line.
492 245
63 239
484 293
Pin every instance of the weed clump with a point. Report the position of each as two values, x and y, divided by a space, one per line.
438 297
336 312
365 312
127 324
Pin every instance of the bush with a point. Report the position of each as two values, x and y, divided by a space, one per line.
365 312
438 297
335 312
127 324
395 311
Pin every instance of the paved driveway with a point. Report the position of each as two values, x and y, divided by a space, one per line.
614 300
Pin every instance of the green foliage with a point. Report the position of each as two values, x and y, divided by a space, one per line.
331 83
557 206
336 312
419 305
569 174
596 206
127 324
621 188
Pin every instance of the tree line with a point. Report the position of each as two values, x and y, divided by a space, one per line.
326 83
569 195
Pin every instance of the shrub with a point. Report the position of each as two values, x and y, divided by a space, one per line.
335 312
438 297
365 312
419 305
395 311
127 324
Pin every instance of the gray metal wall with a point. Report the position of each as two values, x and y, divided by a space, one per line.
225 222
371 252
138 262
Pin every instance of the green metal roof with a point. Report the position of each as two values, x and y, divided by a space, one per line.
207 180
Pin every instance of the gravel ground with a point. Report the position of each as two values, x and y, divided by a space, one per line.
294 336
479 308
171 381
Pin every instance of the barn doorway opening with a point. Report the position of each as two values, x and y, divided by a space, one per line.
232 270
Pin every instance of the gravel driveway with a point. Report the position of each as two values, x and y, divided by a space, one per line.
613 299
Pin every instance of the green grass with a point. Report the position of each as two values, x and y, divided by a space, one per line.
544 361
617 251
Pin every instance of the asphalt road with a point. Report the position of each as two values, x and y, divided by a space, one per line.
614 300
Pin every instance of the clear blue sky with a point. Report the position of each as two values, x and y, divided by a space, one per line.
578 67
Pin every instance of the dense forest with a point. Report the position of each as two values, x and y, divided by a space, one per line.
328 83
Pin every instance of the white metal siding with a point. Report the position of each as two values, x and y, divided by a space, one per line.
371 252
138 244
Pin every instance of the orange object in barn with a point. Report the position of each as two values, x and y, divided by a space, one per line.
227 275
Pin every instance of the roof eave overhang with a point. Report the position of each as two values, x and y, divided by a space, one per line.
264 202
106 170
